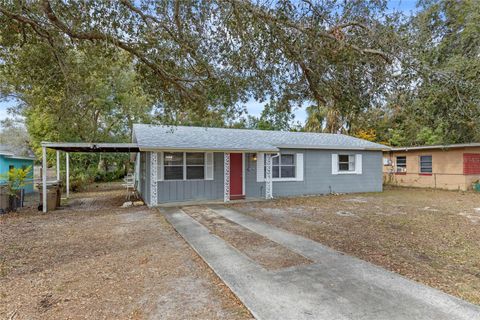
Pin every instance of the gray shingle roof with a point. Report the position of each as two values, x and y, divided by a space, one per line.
11 151
199 138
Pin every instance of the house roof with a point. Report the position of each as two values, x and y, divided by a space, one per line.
156 137
444 146
11 152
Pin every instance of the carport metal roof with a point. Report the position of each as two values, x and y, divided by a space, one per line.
91 147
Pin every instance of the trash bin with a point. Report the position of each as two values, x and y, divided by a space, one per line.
51 198
59 195
54 194
4 203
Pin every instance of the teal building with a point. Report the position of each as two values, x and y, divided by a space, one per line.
9 159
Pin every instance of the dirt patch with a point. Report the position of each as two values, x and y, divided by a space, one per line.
263 251
97 196
430 236
105 263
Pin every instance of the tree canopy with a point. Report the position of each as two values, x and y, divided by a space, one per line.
87 70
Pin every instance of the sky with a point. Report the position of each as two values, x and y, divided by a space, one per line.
255 108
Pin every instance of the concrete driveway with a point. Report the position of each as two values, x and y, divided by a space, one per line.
334 286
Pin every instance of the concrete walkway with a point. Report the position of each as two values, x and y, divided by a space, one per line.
335 286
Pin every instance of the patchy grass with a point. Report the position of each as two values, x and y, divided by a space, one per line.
431 236
94 260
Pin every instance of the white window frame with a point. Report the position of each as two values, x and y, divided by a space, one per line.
351 160
194 165
182 165
358 162
299 167
280 178
161 167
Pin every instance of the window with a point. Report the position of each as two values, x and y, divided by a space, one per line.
346 162
173 165
425 164
283 166
183 165
401 164
195 165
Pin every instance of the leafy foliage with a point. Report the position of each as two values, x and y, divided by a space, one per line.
435 97
369 135
14 134
85 71
15 179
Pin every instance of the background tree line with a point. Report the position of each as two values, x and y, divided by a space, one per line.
88 70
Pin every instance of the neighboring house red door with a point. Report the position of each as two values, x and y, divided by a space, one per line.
236 176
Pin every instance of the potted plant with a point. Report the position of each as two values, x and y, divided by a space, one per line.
15 180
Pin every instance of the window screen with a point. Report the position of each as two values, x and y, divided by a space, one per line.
283 166
195 165
425 164
346 162
173 165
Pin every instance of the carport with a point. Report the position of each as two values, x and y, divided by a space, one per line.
69 147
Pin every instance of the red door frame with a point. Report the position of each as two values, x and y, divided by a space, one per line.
236 176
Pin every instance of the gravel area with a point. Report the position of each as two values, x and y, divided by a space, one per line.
431 236
95 260
268 254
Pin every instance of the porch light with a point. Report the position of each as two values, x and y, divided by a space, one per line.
254 157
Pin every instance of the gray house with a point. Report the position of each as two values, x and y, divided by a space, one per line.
176 163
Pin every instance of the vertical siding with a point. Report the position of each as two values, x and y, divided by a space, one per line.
147 178
184 190
144 181
318 177
140 187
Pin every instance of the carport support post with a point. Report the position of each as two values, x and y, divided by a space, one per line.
44 179
58 165
67 175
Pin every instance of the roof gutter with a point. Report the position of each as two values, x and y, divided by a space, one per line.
444 147
336 147
20 157
172 149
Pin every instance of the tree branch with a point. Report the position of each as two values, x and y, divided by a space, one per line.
300 27
98 36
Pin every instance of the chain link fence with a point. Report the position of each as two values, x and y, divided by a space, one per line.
449 181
